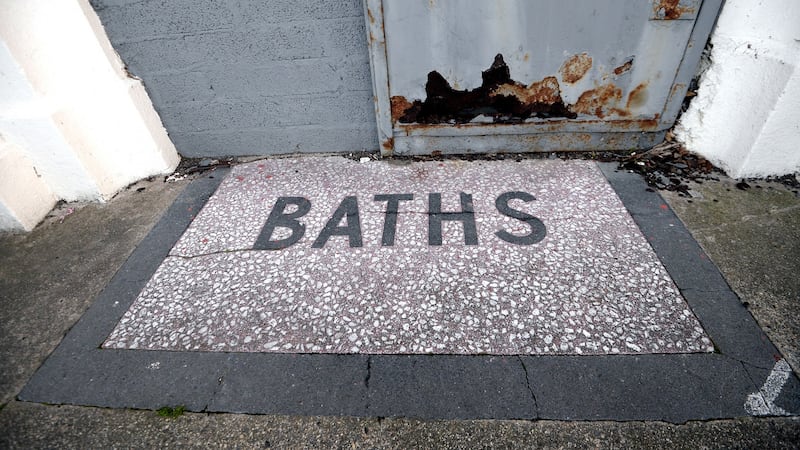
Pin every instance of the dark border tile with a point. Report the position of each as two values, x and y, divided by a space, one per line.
673 388
449 387
297 384
645 387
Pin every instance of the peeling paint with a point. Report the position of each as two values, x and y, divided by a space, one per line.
501 100
575 68
498 97
624 68
546 91
670 9
600 101
399 106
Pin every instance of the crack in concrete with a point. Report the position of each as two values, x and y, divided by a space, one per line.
369 372
218 252
530 389
366 382
182 35
746 363
220 381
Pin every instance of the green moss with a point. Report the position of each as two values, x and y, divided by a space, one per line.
170 412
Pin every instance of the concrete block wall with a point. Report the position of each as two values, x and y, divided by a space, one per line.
250 77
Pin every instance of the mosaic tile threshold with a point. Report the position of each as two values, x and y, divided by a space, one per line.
328 255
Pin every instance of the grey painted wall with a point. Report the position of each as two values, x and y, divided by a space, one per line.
250 77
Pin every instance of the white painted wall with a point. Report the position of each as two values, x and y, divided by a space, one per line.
24 196
70 110
746 116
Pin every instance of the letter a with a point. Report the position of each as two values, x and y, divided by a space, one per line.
349 209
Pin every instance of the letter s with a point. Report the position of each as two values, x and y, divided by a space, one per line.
538 230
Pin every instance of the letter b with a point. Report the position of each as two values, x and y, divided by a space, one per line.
277 218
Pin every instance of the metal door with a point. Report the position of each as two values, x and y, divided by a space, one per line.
465 76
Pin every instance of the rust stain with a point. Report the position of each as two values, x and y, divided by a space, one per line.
574 140
623 68
399 106
546 91
498 97
618 124
527 57
638 96
671 9
371 17
505 101
599 101
677 87
575 68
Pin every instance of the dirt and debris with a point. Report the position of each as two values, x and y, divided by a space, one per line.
668 166
190 166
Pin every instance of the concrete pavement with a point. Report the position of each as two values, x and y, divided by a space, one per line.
91 243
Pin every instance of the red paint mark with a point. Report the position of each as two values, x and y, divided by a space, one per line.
664 207
205 240
239 177
261 167
269 177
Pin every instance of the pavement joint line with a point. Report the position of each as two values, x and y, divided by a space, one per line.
636 387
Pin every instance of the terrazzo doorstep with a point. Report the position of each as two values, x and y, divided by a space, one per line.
591 286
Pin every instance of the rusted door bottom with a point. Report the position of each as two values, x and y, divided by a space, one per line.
415 144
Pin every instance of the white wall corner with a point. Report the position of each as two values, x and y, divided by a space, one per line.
132 138
25 198
744 118
86 125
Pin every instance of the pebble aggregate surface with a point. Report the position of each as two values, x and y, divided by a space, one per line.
592 285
